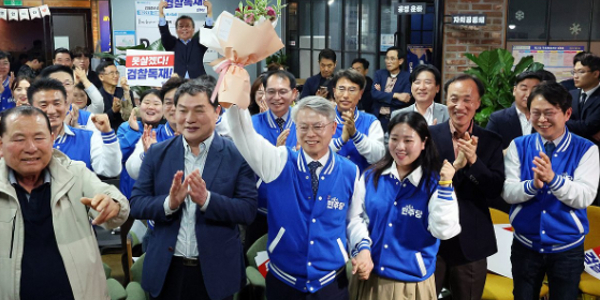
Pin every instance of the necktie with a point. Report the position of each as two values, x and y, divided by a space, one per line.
582 102
549 148
314 179
280 123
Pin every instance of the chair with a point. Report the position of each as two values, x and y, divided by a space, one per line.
499 287
255 278
134 288
115 289
589 285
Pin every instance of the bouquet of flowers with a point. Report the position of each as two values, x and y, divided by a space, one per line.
242 40
259 12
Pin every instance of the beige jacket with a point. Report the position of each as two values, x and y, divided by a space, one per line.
70 181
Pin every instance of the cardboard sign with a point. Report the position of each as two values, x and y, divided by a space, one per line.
262 259
186 6
499 263
592 262
149 68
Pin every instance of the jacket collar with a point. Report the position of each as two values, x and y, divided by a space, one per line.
414 177
62 178
302 162
564 142
287 117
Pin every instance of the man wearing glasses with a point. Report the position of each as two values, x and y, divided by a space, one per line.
391 86
189 53
117 100
314 197
359 135
275 125
585 120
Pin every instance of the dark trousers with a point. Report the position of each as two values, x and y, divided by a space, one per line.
466 281
529 267
336 290
184 283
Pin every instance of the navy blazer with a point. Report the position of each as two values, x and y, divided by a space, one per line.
473 186
383 99
506 124
585 123
189 58
311 86
233 201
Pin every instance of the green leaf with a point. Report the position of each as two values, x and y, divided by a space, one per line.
156 46
472 58
536 66
486 100
523 64
136 47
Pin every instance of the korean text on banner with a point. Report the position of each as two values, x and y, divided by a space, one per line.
149 68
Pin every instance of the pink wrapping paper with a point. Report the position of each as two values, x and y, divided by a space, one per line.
241 45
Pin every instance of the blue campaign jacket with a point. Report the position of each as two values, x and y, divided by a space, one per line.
406 250
362 122
544 223
264 123
76 146
127 139
307 237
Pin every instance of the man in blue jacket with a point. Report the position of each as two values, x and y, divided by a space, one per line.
189 53
551 177
391 86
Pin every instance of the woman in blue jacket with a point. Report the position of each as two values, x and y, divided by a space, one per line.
409 206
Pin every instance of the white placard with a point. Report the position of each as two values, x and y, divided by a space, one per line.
13 15
23 14
499 263
34 12
44 10
3 13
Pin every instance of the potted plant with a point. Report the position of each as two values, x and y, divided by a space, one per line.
495 69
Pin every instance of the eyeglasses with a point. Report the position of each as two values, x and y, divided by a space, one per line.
547 115
273 92
579 72
351 90
316 128
67 83
113 73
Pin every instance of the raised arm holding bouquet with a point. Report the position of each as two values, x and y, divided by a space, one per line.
243 39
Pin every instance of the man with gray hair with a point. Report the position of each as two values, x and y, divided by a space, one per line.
312 212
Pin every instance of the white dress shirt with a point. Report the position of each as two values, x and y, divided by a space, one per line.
187 245
525 124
